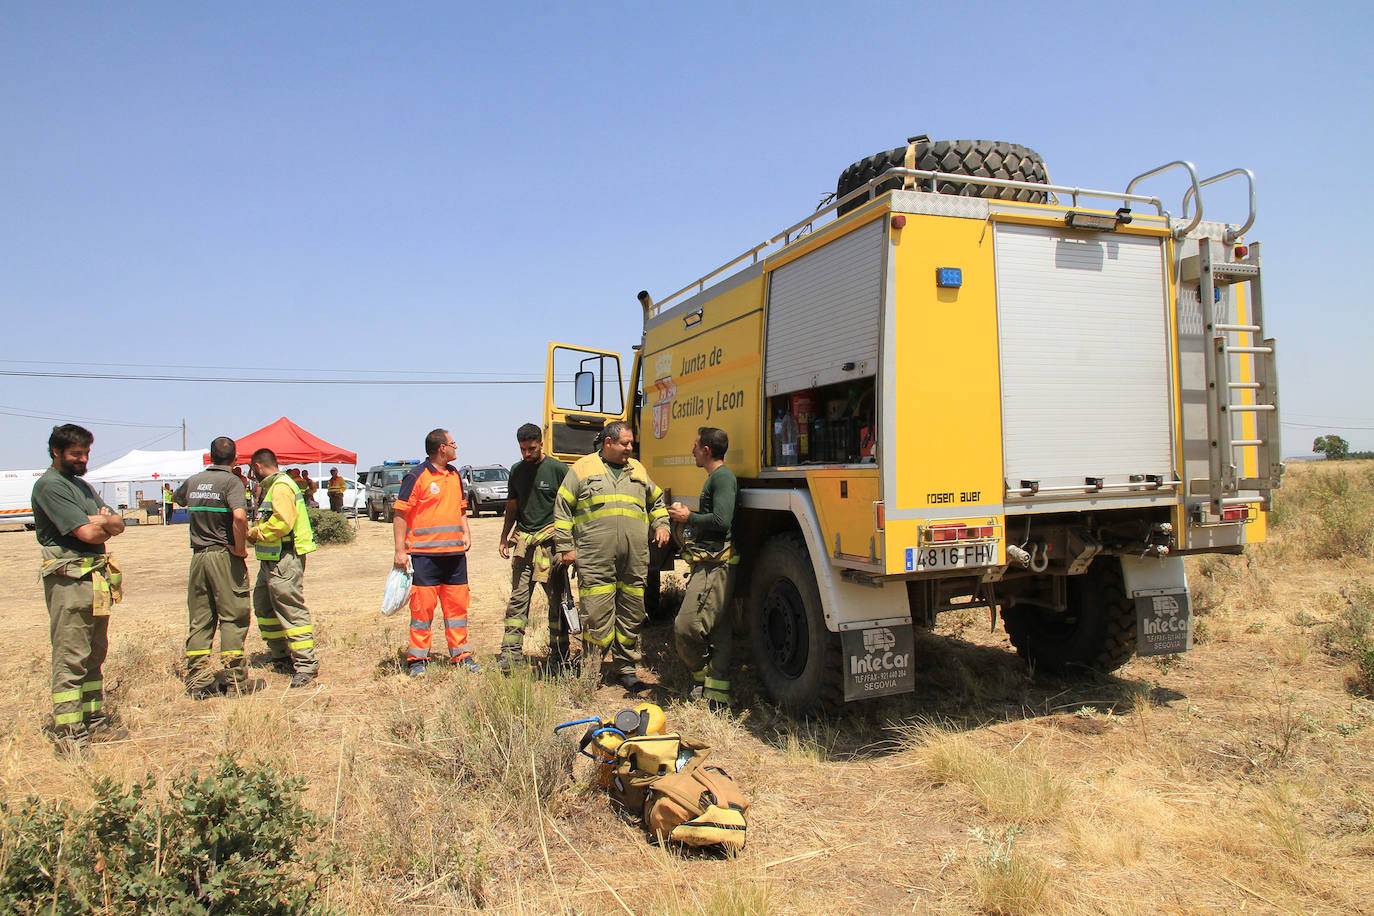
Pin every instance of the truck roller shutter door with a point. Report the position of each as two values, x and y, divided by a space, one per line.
1084 356
823 313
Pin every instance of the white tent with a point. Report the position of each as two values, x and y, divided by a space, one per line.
117 478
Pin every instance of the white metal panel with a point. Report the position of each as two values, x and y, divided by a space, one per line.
823 312
1084 356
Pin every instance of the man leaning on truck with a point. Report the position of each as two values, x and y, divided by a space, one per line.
703 627
602 517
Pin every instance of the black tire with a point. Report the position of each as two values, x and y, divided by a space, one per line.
796 657
371 513
976 158
1096 634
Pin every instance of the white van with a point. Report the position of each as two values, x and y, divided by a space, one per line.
16 492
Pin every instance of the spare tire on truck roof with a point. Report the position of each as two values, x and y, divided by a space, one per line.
975 158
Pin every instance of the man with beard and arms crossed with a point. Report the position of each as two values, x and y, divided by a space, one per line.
431 531
532 488
80 583
704 626
217 586
281 539
605 507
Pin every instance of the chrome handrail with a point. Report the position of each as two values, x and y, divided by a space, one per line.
1192 172
1231 234
922 175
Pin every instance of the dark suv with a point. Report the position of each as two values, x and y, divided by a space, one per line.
383 483
484 487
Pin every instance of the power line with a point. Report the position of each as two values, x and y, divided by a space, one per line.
268 381
94 421
1338 426
29 362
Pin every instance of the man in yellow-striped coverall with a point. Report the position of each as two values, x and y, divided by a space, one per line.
605 508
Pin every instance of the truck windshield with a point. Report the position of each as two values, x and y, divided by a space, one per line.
488 475
396 476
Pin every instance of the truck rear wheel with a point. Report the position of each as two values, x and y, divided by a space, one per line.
977 158
1097 633
797 658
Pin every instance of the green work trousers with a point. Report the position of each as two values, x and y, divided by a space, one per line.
216 598
283 618
610 585
518 610
705 628
79 643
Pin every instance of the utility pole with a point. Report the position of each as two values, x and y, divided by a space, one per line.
183 434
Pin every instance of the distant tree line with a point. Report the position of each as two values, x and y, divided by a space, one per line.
1335 448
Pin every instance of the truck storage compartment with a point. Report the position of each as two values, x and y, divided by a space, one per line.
1085 356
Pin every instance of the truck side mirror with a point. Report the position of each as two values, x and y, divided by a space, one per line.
584 389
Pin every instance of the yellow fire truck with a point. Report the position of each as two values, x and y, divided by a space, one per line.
955 385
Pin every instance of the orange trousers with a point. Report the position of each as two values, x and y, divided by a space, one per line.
454 600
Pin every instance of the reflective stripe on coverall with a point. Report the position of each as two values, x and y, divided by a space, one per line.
606 519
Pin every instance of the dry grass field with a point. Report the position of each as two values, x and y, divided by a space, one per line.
1238 777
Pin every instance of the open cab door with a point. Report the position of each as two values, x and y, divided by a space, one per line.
583 391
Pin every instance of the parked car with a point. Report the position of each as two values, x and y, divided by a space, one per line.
354 500
383 483
484 487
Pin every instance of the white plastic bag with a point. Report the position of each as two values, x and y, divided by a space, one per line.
397 590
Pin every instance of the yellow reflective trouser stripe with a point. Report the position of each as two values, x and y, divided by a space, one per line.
624 640
699 676
66 696
636 513
66 718
92 685
191 652
587 590
226 653
299 631
615 498
596 642
630 589
303 644
91 705
714 684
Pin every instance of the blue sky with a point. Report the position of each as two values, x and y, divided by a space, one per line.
436 190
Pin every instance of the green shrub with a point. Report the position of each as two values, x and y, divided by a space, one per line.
331 527
1327 513
233 842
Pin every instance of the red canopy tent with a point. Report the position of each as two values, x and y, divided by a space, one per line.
292 445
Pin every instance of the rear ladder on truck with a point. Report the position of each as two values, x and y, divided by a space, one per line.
1242 386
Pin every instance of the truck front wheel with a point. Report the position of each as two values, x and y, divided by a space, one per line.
1096 633
797 658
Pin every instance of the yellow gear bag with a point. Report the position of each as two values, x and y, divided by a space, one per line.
699 806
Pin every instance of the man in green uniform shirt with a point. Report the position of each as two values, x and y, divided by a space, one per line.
80 582
217 586
532 490
704 625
